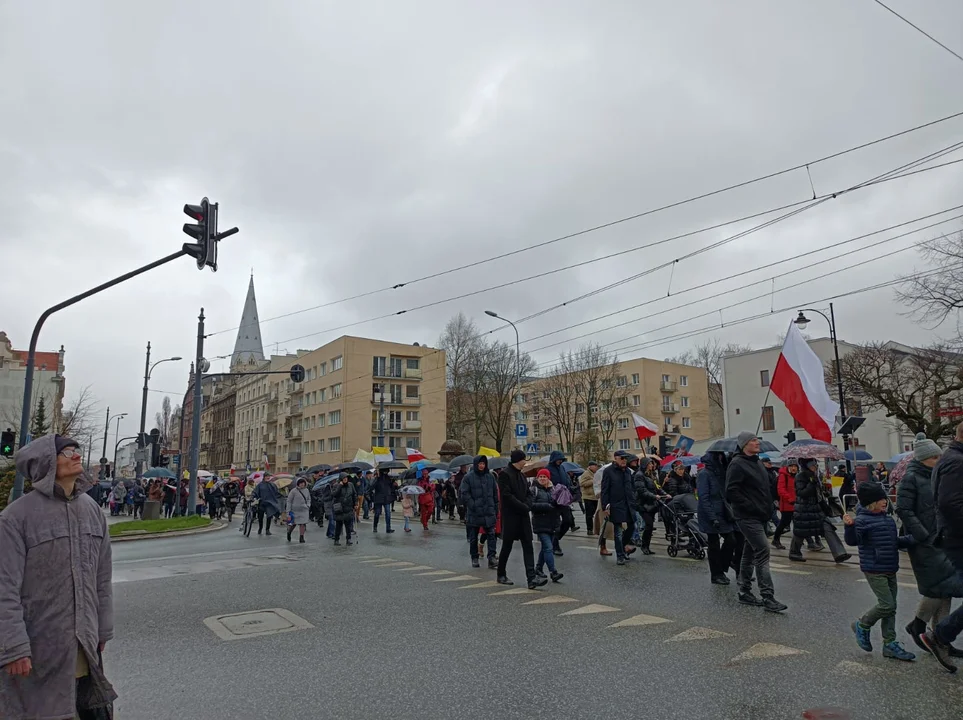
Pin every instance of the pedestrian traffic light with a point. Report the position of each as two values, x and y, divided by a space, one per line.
204 231
6 443
790 437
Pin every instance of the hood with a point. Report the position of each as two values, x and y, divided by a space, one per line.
715 462
37 461
784 473
556 456
478 460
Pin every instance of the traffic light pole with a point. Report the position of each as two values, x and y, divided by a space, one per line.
35 337
139 465
196 416
103 453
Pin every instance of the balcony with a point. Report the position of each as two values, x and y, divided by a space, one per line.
389 373
272 414
294 456
411 401
267 437
412 373
292 432
296 410
412 424
673 430
669 386
670 408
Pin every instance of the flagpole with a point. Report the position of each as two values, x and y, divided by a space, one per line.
763 409
765 402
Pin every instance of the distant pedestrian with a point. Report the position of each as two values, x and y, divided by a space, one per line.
407 510
516 520
298 508
426 501
786 490
344 496
589 498
140 497
545 518
479 498
56 602
617 499
269 504
809 514
874 532
383 496
714 518
750 501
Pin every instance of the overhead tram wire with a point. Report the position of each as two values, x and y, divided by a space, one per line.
920 30
894 174
602 226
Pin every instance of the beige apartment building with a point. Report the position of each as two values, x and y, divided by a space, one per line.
672 396
256 412
335 411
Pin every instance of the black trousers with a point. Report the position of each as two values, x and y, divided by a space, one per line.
649 519
519 529
785 520
720 557
262 514
739 543
568 522
590 507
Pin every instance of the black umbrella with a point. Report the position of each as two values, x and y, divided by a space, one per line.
317 468
358 466
415 471
460 461
392 465
728 445
498 463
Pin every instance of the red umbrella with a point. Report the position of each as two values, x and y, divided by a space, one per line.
812 450
897 473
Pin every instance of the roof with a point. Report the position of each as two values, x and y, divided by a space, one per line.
42 360
247 346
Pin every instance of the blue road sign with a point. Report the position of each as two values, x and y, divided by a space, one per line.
531 448
521 430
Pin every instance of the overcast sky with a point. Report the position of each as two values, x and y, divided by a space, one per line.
361 145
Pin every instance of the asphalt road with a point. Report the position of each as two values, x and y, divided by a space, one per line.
402 627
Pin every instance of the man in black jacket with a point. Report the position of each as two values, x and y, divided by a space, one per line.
383 495
750 499
948 494
479 496
516 520
618 497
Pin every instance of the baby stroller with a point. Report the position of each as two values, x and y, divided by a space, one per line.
681 527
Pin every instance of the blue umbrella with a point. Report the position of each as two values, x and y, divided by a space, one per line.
858 455
571 467
160 472
896 458
325 480
439 474
686 460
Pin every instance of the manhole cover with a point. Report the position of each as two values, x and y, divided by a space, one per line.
255 623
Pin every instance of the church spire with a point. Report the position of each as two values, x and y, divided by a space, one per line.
248 347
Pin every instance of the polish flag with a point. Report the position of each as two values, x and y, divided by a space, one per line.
414 455
799 382
643 428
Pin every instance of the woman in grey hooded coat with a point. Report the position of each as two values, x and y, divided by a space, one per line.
53 538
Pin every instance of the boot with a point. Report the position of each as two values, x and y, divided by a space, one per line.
776 544
290 530
492 564
301 539
503 580
604 551
646 550
556 576
475 563
915 630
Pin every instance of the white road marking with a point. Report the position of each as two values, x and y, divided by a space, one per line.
590 610
551 600
640 620
485 584
698 633
767 650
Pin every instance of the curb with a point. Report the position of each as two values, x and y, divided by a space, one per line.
213 527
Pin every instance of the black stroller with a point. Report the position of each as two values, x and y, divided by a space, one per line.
681 527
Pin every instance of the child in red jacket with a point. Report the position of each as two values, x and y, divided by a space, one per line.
426 501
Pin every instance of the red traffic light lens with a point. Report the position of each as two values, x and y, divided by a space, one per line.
194 211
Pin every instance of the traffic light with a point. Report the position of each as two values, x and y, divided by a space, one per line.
7 439
204 231
164 461
790 437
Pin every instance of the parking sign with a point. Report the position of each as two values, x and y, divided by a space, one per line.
521 430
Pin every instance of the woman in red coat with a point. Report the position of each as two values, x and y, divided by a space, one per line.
786 486
426 501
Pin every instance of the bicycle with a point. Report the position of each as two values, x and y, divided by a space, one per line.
250 516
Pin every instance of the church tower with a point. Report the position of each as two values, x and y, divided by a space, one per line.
247 347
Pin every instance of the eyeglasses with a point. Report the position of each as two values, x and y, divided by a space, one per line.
70 453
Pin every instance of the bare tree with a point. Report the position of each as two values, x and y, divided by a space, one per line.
81 419
163 419
709 355
909 384
559 403
499 376
934 296
600 391
463 350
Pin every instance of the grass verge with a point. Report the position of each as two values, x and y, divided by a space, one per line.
146 527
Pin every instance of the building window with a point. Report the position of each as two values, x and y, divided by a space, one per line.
378 366
334 444
796 425
624 444
394 367
412 363
336 391
334 417
322 395
668 422
323 369
411 416
623 402
548 447
764 378
610 445
321 446
635 378
321 420
686 422
413 442
623 423
336 364
579 427
665 378
579 408
607 425
622 381
685 401
768 419
394 420
636 400
524 397
544 394
638 444
411 391
683 381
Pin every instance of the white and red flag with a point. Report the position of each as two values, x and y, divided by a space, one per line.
643 428
799 382
414 455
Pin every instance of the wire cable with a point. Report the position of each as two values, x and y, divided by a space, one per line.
919 30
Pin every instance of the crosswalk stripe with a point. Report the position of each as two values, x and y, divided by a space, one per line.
412 569
586 547
551 600
395 564
485 584
698 633
368 557
436 572
590 610
514 591
640 620
459 578
767 650
376 560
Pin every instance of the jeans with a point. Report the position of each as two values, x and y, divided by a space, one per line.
379 507
546 556
520 529
590 507
168 510
720 557
365 508
755 557
437 510
331 521
619 543
348 526
884 612
473 532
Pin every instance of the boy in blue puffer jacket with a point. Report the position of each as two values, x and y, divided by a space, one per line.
874 533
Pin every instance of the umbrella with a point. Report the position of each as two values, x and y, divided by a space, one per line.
460 461
858 455
812 450
283 480
391 465
533 467
895 460
324 481
728 445
571 467
204 474
897 473
412 490
256 477
686 460
439 474
358 466
318 468
159 472
499 463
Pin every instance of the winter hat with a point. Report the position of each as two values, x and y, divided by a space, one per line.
593 462
544 473
924 448
518 456
869 492
743 439
62 443
302 481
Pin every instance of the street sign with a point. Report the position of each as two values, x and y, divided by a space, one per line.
531 448
297 373
952 411
142 455
521 430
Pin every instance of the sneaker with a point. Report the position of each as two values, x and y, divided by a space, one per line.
842 558
747 598
537 582
492 564
862 636
337 542
389 531
475 563
646 550
556 576
778 545
502 580
939 650
375 529
720 580
895 651
349 543
797 558
770 604
558 552
620 561
915 630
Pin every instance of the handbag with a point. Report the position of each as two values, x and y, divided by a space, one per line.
337 507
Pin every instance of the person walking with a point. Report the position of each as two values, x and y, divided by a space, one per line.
516 521
269 504
545 518
809 514
714 518
786 490
617 499
426 501
56 597
874 532
383 496
407 510
456 480
140 497
647 496
936 578
750 501
948 494
299 509
343 496
586 483
479 498
170 497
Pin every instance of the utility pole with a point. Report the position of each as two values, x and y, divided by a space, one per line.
103 455
199 364
381 418
139 466
90 445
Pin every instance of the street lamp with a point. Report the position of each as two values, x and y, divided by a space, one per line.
116 437
518 354
148 369
801 322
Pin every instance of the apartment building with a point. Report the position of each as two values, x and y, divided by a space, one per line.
673 396
348 384
256 412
